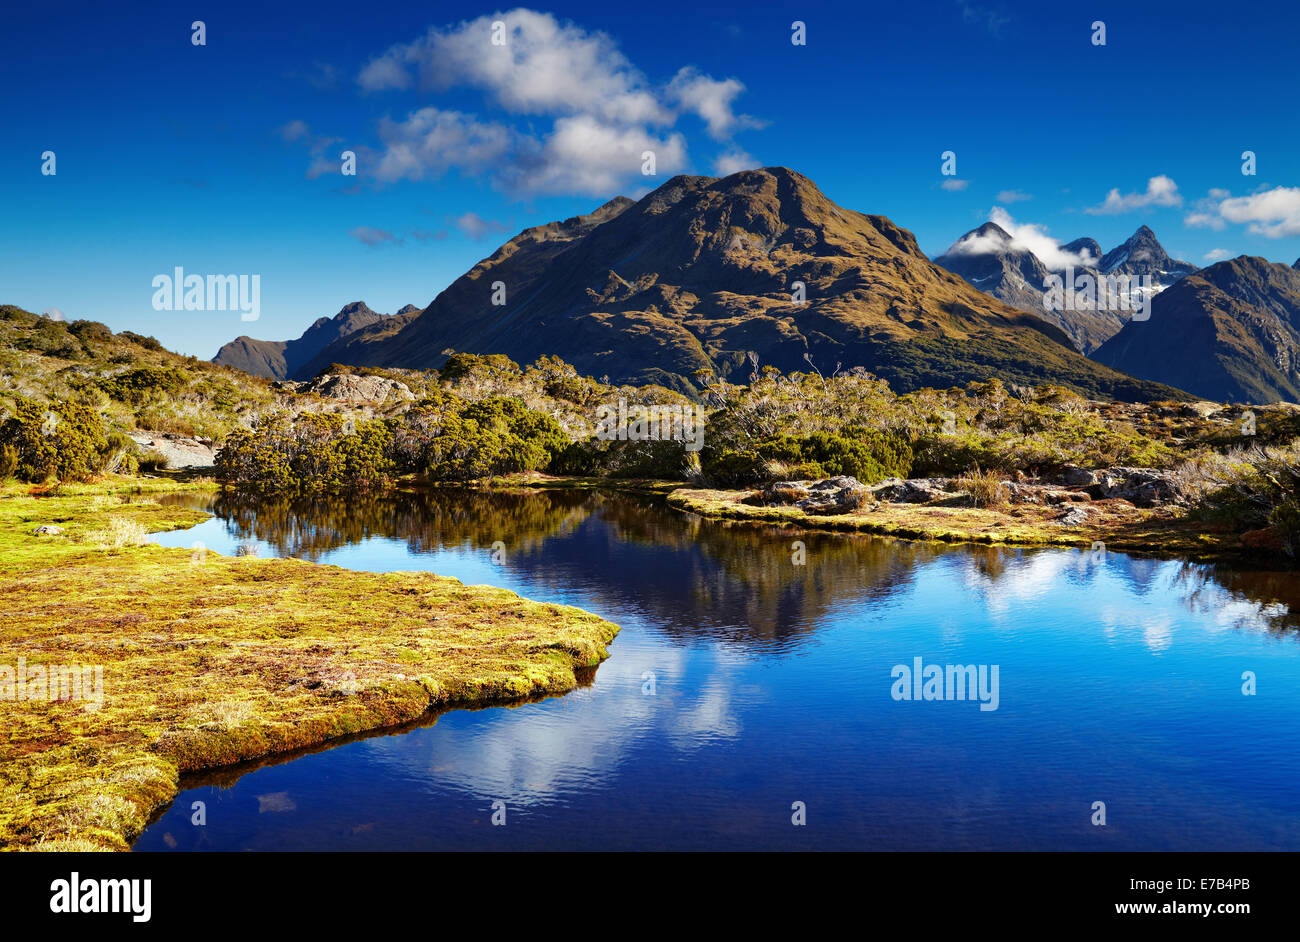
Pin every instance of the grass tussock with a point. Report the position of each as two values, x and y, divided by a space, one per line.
984 488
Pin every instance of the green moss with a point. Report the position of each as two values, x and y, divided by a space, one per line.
216 660
1120 526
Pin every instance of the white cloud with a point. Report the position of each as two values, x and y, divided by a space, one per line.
605 112
293 130
544 67
1204 220
430 142
1161 191
585 155
1274 213
476 227
954 186
1013 196
733 161
1215 255
992 20
318 145
710 99
1028 236
372 236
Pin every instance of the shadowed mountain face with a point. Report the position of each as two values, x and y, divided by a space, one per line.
1230 332
703 271
281 359
989 259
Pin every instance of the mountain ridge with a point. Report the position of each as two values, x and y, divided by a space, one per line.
995 264
1229 332
702 274
282 359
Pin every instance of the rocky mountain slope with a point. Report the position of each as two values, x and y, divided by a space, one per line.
702 276
991 260
282 359
1230 332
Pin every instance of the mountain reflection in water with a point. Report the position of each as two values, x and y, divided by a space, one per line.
1120 682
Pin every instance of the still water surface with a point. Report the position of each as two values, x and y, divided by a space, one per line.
1120 681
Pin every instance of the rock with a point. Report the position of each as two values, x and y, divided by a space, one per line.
47 529
375 390
1202 409
779 494
915 491
179 451
1074 517
1077 477
837 495
1144 487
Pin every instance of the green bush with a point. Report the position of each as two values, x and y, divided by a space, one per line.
149 343
63 440
869 455
493 436
311 454
90 330
8 462
144 384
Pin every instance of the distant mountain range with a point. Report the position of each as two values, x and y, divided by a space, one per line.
991 260
286 359
1230 332
703 275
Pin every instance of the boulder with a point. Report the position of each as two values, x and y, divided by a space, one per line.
837 495
47 529
1074 517
779 494
1144 487
1201 410
375 390
1077 477
180 452
915 491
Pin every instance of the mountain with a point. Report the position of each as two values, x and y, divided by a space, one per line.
699 274
991 260
1143 254
1084 248
1230 333
280 359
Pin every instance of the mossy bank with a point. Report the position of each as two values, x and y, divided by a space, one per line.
1118 524
209 660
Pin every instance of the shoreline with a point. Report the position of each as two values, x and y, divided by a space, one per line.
1122 526
210 661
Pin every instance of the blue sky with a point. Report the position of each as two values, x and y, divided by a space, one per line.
223 158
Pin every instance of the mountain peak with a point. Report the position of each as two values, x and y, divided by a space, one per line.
990 228
353 307
1142 254
703 273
